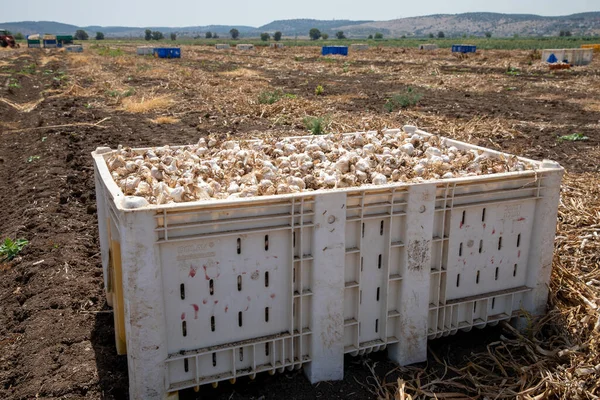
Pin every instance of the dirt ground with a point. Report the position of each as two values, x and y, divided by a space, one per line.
56 330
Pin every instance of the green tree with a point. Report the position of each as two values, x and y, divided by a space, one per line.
568 33
441 35
314 34
19 36
234 33
325 36
148 34
156 35
215 35
488 35
340 35
431 36
264 36
173 36
378 36
208 35
370 37
99 36
277 36
81 35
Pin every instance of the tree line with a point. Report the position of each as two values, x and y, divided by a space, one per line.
314 34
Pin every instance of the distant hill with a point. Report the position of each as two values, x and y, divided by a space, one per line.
453 25
500 25
292 27
31 27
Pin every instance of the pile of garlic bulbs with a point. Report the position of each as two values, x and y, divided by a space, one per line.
233 169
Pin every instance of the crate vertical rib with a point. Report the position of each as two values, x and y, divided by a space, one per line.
292 264
414 293
385 308
327 316
539 266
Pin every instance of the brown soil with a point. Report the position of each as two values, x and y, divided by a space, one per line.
56 331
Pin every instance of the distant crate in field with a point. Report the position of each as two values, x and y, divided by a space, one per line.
595 47
428 47
145 50
334 50
74 48
245 47
464 48
33 43
50 43
167 52
222 46
359 47
277 45
568 56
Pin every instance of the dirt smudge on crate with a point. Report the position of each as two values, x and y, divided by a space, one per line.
418 254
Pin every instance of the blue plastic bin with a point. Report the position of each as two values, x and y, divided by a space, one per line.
167 52
463 48
334 50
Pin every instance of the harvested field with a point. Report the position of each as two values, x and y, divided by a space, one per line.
56 330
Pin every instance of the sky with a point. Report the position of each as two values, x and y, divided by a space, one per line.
179 13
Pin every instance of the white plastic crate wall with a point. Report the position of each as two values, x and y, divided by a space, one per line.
218 290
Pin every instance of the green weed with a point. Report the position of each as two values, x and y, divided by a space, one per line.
513 71
29 69
270 97
574 137
31 159
9 249
108 52
403 100
116 93
316 125
319 90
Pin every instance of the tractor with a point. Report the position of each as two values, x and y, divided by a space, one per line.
7 40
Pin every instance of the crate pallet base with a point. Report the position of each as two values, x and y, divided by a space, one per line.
206 292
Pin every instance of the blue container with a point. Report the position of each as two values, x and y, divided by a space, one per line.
463 48
51 41
334 50
167 52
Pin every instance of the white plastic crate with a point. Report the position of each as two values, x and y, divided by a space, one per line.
244 46
570 56
359 47
222 46
76 48
145 50
215 290
428 47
